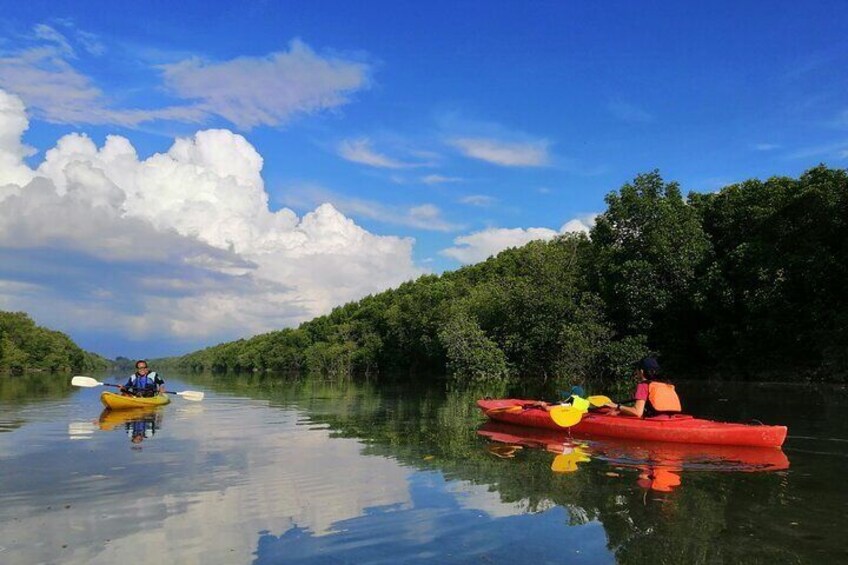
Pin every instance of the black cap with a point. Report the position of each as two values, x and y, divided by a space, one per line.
649 364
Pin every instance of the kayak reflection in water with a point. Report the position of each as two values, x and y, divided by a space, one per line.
660 479
660 465
139 424
568 456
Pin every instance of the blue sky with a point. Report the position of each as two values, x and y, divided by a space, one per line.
223 172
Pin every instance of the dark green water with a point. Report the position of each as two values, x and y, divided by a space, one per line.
268 471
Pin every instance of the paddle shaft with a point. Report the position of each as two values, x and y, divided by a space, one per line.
88 382
124 390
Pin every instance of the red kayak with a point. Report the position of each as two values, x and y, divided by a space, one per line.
680 456
676 428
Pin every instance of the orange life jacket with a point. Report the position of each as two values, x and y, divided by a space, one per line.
663 398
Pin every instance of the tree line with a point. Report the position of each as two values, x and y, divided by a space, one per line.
25 346
745 282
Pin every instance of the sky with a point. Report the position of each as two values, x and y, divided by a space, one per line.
178 174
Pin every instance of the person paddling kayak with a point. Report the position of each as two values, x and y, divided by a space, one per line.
144 382
652 397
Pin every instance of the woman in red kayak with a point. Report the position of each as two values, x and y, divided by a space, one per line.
651 397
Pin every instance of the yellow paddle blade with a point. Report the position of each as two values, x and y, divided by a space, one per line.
566 416
567 462
599 400
580 404
563 464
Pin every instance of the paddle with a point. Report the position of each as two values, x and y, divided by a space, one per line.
89 382
599 400
566 416
515 408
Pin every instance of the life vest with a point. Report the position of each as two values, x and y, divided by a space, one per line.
663 398
146 383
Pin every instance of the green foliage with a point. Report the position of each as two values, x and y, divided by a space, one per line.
750 278
648 247
24 346
472 357
774 295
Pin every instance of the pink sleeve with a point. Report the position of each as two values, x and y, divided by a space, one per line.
641 391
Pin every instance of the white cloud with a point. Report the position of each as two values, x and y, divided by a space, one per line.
580 224
504 153
361 151
424 216
838 149
247 91
440 179
765 146
478 200
49 34
56 92
252 91
184 239
13 123
481 245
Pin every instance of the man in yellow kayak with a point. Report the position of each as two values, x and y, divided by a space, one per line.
144 382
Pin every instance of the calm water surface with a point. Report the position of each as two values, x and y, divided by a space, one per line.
267 471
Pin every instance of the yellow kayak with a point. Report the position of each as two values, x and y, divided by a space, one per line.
124 402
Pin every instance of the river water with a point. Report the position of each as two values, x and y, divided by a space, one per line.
265 470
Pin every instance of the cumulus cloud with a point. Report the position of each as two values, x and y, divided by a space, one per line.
13 123
179 244
361 151
246 91
481 245
580 224
504 153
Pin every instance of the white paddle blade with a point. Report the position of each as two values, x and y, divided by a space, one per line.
192 395
81 430
85 381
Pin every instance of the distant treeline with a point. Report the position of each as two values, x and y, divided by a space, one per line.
746 282
24 346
